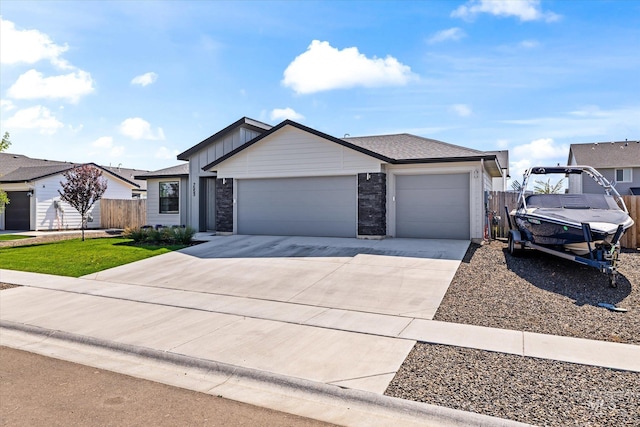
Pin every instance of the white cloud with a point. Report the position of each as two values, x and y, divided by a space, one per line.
166 153
28 46
539 152
137 128
33 85
284 114
525 10
7 105
103 142
462 110
454 34
323 67
37 117
145 79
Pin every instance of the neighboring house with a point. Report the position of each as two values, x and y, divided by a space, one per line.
167 195
619 162
251 178
139 192
32 187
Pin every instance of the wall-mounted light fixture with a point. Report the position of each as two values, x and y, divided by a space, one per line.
224 181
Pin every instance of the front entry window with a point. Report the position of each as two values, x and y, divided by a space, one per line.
169 197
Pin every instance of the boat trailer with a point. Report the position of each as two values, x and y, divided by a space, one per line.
600 257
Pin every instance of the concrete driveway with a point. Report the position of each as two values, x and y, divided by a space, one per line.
401 277
342 312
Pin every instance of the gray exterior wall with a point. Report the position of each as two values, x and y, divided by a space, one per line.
372 204
224 205
589 186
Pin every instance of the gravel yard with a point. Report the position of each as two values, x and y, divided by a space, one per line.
537 292
536 391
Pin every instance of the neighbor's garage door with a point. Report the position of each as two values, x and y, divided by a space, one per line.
432 206
17 212
317 206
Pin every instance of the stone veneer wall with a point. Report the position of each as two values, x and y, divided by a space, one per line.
224 205
372 204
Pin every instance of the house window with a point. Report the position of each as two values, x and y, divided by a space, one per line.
169 197
624 175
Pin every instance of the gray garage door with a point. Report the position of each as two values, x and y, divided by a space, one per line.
17 212
318 206
432 206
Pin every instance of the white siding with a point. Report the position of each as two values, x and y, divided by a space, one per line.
476 189
46 217
154 217
292 152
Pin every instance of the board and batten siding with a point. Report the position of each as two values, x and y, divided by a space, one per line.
154 217
292 152
204 157
476 189
45 215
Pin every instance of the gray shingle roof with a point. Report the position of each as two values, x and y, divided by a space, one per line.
20 168
10 162
411 147
29 173
179 170
607 154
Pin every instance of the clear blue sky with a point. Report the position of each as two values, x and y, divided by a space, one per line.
135 83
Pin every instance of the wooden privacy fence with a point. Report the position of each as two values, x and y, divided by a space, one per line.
500 228
123 213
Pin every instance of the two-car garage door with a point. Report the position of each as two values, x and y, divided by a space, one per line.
314 206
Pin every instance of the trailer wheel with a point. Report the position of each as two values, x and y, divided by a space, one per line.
514 248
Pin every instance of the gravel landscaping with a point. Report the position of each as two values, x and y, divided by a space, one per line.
541 293
535 391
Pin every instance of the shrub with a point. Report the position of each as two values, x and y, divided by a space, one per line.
162 236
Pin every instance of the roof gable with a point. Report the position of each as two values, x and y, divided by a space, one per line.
252 124
303 128
606 154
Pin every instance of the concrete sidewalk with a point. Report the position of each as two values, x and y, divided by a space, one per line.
323 363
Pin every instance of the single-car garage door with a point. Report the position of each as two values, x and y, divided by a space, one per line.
17 212
316 206
433 206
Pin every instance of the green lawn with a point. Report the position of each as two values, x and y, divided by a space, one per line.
13 237
76 258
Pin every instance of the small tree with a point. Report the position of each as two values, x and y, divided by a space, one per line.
4 199
546 187
84 186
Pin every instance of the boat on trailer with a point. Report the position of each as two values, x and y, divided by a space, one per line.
585 228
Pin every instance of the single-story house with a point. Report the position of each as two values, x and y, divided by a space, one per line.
618 162
32 187
289 179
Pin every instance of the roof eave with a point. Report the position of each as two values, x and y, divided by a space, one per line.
251 123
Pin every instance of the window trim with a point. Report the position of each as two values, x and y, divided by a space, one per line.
160 186
623 174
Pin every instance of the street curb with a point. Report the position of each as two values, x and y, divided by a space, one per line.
417 410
